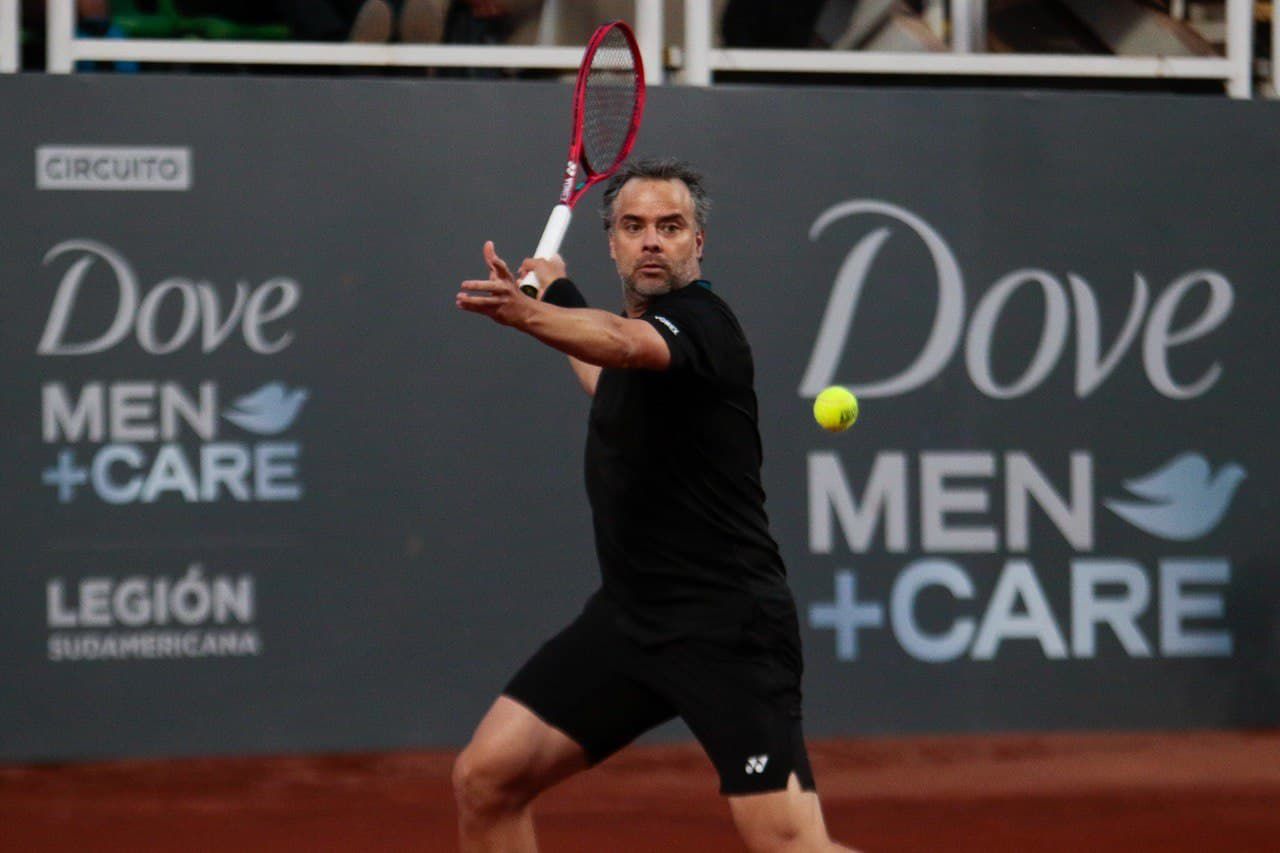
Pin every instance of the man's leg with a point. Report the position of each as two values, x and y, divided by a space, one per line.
789 820
570 706
512 757
743 703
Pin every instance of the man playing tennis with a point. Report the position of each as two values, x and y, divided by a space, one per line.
694 618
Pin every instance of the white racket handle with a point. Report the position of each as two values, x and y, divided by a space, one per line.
552 237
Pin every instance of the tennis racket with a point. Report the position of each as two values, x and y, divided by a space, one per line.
608 101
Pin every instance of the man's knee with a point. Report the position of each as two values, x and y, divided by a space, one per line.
772 839
488 781
776 834
789 820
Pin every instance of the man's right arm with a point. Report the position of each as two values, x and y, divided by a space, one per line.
549 270
594 337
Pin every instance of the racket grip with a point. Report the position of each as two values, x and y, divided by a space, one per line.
552 237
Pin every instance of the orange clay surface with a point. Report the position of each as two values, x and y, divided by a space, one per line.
1201 792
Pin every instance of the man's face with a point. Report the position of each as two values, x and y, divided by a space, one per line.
655 241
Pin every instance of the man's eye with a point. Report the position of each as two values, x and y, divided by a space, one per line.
670 228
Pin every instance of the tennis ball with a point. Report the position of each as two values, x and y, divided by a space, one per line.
835 409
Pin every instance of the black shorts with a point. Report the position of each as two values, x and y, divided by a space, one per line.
740 700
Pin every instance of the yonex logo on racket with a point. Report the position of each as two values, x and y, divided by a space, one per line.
570 174
756 763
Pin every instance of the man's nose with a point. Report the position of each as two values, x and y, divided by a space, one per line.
651 241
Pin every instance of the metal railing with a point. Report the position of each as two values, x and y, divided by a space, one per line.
65 48
10 35
697 62
968 30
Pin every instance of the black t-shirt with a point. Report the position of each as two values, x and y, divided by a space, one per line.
673 475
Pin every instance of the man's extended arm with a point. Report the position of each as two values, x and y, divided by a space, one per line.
594 338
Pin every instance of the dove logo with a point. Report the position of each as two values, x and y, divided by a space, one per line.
1067 306
1182 500
254 311
270 410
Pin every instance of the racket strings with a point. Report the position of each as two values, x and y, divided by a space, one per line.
609 102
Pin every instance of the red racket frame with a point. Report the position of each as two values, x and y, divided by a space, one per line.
577 168
571 192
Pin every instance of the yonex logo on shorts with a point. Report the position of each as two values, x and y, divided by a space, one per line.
756 763
664 321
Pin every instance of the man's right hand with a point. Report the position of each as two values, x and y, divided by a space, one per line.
546 270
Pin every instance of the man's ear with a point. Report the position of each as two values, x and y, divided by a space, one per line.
701 240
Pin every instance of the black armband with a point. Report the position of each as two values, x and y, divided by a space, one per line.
564 293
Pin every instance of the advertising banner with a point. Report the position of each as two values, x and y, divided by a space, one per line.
263 488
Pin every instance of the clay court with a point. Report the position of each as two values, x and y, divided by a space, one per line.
1099 792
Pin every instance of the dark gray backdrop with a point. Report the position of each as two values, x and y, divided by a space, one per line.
442 533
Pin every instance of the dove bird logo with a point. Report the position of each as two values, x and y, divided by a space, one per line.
1182 500
269 410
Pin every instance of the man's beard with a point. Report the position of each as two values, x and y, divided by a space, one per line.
648 286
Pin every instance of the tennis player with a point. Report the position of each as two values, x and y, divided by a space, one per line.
694 617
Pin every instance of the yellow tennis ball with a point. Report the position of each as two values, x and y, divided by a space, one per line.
835 409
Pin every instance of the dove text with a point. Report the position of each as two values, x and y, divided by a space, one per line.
164 319
1201 301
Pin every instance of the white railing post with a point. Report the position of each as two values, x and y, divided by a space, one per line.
549 23
1275 50
59 32
697 43
935 17
650 35
968 26
959 25
979 30
10 36
1240 47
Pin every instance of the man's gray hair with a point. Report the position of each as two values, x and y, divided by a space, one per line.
654 169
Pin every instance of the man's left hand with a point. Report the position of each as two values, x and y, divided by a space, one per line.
498 297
